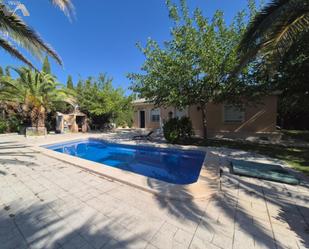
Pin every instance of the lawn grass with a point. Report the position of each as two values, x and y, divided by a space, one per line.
296 157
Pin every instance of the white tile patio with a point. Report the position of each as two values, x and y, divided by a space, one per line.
46 203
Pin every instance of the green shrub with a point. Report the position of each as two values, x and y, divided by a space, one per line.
176 129
11 123
14 124
3 126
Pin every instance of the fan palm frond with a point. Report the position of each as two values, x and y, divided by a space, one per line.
14 52
20 32
288 31
262 21
66 6
274 29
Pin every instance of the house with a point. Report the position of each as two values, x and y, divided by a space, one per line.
224 120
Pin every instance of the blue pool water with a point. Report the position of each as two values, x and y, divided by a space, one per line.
169 165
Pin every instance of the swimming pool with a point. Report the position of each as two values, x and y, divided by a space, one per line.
169 165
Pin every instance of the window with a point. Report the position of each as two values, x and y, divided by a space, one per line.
233 114
155 115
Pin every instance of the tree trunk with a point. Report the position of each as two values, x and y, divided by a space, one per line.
33 117
37 117
203 109
41 117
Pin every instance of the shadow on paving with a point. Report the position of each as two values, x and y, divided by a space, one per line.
295 215
16 146
16 161
2 172
184 208
12 145
40 227
10 157
188 210
27 154
7 142
243 221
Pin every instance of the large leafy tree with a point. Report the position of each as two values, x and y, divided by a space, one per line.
274 30
193 67
102 102
33 93
14 31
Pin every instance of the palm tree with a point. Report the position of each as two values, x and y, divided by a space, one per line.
14 30
274 30
33 93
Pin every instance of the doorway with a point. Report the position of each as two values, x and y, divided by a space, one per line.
80 122
142 119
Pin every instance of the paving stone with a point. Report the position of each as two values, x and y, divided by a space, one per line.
243 240
161 240
197 243
222 241
168 229
113 244
182 237
205 232
265 244
150 246
13 243
56 205
96 240
76 242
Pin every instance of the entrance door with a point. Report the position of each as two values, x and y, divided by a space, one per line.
142 119
80 122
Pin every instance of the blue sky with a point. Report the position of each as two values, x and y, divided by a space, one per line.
103 37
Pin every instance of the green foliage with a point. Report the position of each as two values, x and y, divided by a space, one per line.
33 93
273 31
10 124
7 71
46 66
176 129
14 123
79 85
3 126
1 71
193 67
70 84
124 118
102 102
291 79
252 8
